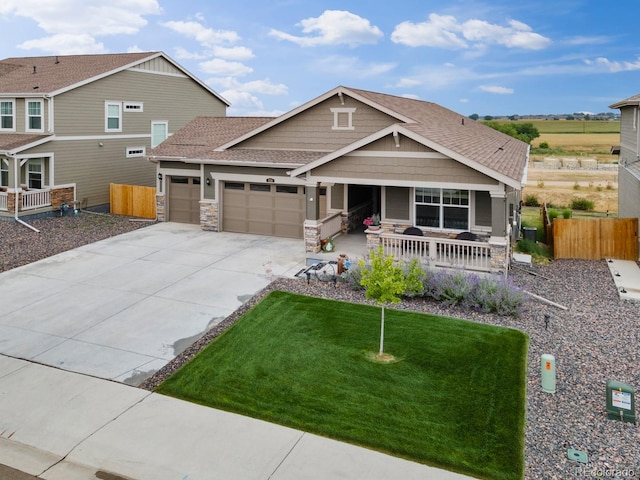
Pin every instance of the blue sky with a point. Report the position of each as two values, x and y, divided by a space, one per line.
266 57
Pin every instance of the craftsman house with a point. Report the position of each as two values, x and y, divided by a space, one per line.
629 151
71 125
323 167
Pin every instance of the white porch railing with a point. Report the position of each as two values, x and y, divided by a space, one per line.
4 201
331 225
35 199
439 252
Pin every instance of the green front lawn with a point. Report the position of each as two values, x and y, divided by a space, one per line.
454 397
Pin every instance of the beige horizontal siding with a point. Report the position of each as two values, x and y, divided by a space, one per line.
82 111
414 169
312 128
93 167
388 144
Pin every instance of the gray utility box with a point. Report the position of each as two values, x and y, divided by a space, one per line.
621 402
530 233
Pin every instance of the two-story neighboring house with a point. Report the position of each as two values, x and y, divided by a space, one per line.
71 125
629 164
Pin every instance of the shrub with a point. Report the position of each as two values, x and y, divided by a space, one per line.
452 288
552 214
414 276
540 184
544 145
566 213
581 203
576 186
531 200
497 295
609 185
353 276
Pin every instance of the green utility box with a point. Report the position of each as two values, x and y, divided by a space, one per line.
621 402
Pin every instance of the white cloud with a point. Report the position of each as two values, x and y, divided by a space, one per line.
439 31
464 100
604 64
66 44
73 25
584 40
496 89
207 37
233 53
94 17
265 87
333 27
184 54
217 66
444 31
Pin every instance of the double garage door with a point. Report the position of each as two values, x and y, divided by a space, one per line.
263 209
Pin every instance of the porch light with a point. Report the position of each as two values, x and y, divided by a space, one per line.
160 176
208 182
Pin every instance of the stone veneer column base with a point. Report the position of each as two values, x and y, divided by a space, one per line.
499 254
209 216
160 208
312 237
373 239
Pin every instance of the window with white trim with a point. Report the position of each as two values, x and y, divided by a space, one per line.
343 118
113 117
133 107
4 173
34 116
159 133
8 115
136 152
442 208
35 173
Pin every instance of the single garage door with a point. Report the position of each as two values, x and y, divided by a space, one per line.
263 209
184 199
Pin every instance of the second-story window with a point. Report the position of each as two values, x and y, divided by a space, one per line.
34 116
159 133
7 115
113 117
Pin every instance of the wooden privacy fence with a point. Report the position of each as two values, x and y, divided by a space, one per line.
596 238
133 200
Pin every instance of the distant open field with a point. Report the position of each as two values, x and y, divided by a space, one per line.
572 126
593 138
559 187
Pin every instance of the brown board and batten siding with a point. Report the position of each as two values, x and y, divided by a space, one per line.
312 128
165 98
401 168
92 167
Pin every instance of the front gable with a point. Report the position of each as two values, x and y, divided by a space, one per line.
395 160
326 126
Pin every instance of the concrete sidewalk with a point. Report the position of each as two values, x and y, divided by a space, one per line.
59 425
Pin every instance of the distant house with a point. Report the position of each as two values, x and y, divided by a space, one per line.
629 163
322 167
70 125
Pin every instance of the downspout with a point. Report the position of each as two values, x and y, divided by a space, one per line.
15 189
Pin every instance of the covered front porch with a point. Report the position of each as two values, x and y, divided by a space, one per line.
459 228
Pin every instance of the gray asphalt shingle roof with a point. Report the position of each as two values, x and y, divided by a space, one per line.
445 129
29 75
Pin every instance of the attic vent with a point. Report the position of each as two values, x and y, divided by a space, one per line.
343 118
57 60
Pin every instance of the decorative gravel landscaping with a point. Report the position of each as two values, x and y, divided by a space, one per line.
596 339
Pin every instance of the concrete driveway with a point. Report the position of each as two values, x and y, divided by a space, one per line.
123 307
